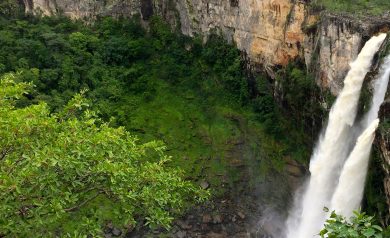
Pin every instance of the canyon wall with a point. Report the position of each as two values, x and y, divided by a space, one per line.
270 32
84 9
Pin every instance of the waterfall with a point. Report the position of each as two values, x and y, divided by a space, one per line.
349 192
333 147
380 88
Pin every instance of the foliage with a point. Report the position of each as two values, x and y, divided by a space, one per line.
384 128
374 194
300 95
71 56
357 7
159 85
70 173
358 226
10 8
298 112
266 108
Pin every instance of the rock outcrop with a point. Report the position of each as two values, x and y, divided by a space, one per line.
85 9
329 48
333 41
270 32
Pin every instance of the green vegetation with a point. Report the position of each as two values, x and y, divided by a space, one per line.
374 201
160 86
69 173
61 158
300 97
10 8
359 226
357 7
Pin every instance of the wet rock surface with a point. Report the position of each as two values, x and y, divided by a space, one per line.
216 219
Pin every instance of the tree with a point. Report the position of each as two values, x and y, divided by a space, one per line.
9 7
69 173
358 226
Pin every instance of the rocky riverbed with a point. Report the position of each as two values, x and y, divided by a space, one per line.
255 211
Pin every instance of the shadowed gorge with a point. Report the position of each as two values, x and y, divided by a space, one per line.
145 118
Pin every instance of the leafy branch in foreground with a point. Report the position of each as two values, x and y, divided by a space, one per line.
358 226
71 173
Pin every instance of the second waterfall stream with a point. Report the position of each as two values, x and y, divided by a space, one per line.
338 165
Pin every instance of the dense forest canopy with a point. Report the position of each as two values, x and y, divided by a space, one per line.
155 83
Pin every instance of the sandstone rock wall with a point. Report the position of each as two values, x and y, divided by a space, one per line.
333 41
268 30
85 9
329 51
271 32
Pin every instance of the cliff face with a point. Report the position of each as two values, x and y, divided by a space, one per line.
269 31
329 48
383 142
84 8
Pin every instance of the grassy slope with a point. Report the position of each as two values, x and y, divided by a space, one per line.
356 7
204 135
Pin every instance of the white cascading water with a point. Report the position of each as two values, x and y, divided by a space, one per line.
332 149
380 88
349 192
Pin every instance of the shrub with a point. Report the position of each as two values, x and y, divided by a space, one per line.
70 173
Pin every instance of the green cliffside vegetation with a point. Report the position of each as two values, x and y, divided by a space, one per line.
159 85
196 98
357 7
68 174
